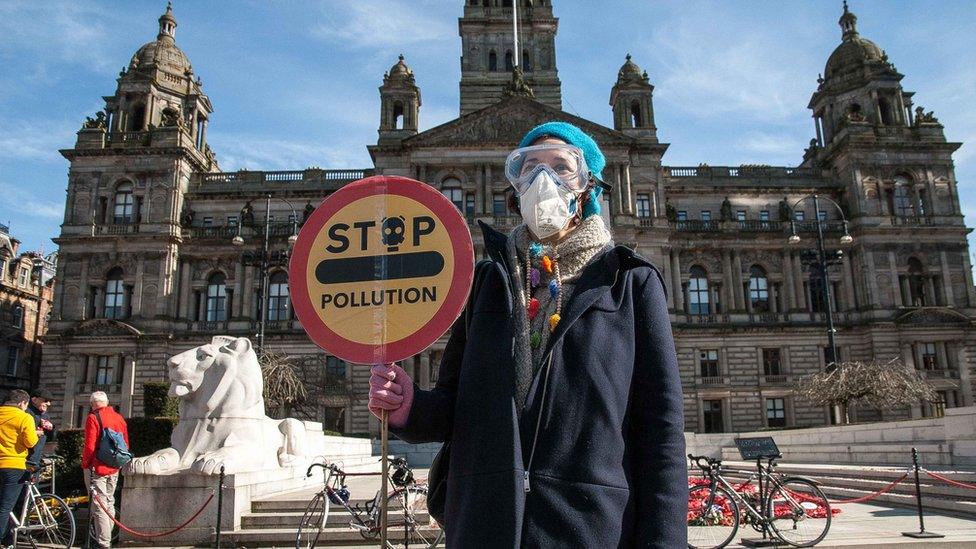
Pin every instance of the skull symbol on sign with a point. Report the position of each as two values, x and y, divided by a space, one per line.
392 232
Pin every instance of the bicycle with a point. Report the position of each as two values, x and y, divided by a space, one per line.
44 519
408 523
793 508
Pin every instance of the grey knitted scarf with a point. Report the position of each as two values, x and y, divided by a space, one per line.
574 253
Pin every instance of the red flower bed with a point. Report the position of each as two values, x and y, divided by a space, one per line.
722 511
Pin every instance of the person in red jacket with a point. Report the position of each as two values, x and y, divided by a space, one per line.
104 478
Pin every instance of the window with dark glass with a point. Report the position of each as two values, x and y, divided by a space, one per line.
278 302
776 412
764 215
708 363
17 316
772 364
452 190
758 289
821 215
123 204
698 291
643 205
103 371
682 215
740 215
114 294
13 354
499 207
712 416
902 197
216 298
469 204
706 215
798 215
930 358
916 283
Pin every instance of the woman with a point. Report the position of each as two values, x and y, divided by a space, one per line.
559 386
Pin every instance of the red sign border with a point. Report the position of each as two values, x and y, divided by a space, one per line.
445 316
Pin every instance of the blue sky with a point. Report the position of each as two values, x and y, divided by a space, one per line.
294 83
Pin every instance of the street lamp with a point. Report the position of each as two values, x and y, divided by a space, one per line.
264 261
821 263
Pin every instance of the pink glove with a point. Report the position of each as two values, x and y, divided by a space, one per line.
391 389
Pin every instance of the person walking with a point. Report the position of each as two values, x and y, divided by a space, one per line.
17 436
97 474
558 388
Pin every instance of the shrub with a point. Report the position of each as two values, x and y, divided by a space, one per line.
148 434
157 402
69 475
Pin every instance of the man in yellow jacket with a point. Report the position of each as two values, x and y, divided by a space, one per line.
17 436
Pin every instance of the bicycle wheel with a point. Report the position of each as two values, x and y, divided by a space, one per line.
49 523
312 526
713 517
798 512
408 522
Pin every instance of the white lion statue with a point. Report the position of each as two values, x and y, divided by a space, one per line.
222 419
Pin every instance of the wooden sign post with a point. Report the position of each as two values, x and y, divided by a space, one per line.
381 270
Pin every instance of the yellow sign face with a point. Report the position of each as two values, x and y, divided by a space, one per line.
381 267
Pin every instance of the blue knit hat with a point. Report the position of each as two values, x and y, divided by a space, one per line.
595 160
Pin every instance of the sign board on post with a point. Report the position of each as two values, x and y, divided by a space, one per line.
755 448
381 270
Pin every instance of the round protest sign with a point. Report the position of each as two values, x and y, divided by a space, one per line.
381 270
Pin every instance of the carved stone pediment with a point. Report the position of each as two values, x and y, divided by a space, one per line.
504 123
102 327
932 316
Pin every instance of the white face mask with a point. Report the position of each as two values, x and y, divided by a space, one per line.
546 205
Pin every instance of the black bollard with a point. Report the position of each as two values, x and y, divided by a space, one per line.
220 506
918 498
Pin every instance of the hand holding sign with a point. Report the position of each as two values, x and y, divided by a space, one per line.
390 390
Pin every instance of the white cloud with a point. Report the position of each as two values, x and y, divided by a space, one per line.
381 23
36 140
26 199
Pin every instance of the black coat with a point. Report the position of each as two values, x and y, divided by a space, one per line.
609 463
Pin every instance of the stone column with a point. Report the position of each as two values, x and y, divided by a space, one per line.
185 289
238 283
933 208
668 279
789 304
618 191
712 291
773 298
940 350
967 273
965 385
137 286
930 291
247 292
73 366
128 384
85 291
424 376
848 282
628 189
479 181
872 275
727 280
479 197
679 302
893 266
740 303
798 282
905 290
949 299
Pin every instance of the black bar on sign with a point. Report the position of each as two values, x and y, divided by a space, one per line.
379 267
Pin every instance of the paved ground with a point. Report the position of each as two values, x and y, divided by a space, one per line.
857 526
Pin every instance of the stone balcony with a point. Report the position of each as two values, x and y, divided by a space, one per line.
712 381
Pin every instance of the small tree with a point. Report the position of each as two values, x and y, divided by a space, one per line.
283 388
882 385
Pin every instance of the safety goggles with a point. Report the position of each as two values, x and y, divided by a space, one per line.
565 161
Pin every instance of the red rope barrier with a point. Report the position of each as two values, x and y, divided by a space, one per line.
949 480
872 495
98 501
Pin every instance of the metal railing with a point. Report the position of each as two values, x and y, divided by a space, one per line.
117 229
776 379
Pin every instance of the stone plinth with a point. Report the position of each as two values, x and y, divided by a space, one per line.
156 503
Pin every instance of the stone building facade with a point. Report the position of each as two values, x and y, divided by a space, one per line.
26 295
149 269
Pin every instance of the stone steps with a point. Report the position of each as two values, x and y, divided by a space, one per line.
338 537
931 452
338 517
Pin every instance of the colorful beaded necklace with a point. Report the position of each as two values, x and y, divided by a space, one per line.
532 280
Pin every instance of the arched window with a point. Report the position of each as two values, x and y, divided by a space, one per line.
17 316
508 61
698 291
916 283
758 289
278 296
902 197
114 294
123 204
526 61
635 115
451 188
216 298
398 115
137 118
492 61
